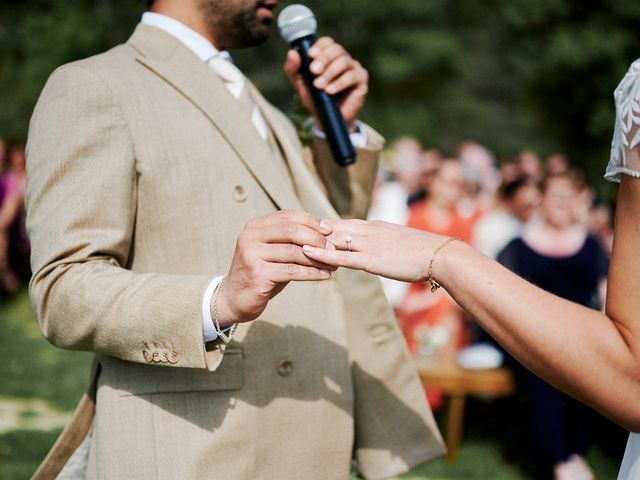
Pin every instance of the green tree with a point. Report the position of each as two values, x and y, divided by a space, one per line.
535 74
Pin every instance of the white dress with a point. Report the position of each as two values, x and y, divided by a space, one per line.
625 158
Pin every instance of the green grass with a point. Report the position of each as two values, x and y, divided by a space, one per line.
22 450
481 458
38 380
31 367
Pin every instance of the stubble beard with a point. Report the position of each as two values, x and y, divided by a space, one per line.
234 23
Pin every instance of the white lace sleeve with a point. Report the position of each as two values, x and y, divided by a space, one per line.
625 154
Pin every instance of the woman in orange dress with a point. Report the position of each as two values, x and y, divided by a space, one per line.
433 325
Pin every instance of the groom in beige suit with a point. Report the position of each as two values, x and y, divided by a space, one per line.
165 200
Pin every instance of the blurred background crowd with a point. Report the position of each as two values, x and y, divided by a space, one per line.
498 115
470 196
539 218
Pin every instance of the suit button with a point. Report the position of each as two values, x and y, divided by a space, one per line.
239 194
173 357
163 355
148 356
285 368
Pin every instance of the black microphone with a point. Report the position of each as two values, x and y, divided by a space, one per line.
298 26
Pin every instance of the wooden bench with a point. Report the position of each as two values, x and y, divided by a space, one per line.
456 383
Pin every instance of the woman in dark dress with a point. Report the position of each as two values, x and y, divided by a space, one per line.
557 254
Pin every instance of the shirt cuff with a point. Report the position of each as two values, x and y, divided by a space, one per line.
209 333
358 138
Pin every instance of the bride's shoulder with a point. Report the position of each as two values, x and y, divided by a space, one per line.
630 84
634 68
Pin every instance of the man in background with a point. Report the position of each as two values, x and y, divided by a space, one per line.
175 268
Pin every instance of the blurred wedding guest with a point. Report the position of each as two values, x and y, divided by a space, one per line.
438 212
556 164
389 203
517 203
430 160
529 166
389 199
16 167
600 225
11 205
433 325
398 187
559 255
509 171
15 178
584 200
412 172
4 151
470 205
480 169
406 156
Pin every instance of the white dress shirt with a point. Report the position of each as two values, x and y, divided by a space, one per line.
205 51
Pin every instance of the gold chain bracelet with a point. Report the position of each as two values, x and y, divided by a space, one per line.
435 285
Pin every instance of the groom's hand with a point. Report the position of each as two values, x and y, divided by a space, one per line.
268 255
336 72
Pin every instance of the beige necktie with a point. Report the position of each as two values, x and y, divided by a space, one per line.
236 84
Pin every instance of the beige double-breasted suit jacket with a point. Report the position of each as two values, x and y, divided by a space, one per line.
141 174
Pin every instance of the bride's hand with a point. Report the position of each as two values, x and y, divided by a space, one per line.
381 248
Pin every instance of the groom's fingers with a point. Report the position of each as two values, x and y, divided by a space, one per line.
287 272
338 258
290 253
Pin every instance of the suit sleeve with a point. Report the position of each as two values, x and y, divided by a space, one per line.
349 189
81 211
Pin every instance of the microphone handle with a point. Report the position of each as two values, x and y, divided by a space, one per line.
327 108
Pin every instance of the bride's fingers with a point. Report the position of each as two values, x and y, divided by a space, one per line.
338 258
353 226
359 235
347 241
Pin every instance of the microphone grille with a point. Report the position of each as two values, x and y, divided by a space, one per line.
296 21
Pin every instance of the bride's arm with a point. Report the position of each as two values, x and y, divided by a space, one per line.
590 355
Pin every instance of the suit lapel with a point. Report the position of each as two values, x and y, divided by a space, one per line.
310 191
177 65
